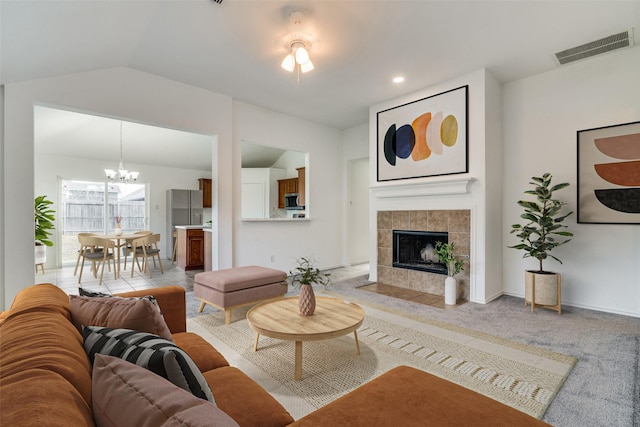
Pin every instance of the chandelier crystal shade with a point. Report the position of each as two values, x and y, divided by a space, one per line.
122 174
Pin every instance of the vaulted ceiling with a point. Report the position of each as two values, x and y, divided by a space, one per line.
236 47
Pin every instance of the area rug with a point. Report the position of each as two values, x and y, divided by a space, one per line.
521 376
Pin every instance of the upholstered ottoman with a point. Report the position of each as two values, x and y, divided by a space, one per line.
236 287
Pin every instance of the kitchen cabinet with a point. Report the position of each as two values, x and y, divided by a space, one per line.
302 180
206 187
289 185
190 248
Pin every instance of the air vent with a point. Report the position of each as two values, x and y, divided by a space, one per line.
217 1
606 44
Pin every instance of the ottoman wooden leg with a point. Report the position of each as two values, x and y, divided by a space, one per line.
202 304
227 316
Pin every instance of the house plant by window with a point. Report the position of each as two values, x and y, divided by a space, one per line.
446 255
304 276
542 233
44 223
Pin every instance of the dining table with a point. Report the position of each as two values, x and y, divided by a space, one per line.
120 240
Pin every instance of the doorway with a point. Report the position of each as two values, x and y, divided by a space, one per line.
358 244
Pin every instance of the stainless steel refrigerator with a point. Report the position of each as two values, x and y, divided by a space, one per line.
184 207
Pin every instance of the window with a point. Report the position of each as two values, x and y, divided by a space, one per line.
91 207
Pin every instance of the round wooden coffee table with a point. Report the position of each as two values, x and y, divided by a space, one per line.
280 319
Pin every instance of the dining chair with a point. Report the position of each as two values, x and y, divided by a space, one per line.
128 247
75 271
99 251
175 246
146 247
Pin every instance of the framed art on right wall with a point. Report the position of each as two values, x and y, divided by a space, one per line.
609 174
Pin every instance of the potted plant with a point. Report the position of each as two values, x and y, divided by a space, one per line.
44 223
304 276
542 233
446 255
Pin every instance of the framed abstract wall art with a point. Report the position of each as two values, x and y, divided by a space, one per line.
427 137
609 174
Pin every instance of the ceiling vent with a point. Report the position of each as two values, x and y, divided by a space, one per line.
217 1
597 47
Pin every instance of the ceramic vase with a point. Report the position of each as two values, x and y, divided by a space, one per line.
306 300
450 291
118 230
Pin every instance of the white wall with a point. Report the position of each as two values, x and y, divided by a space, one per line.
319 237
49 169
541 115
117 92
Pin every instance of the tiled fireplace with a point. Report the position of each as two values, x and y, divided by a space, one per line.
455 224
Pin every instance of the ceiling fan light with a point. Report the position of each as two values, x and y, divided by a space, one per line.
307 66
302 56
288 63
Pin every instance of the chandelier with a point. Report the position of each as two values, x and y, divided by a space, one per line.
297 44
122 175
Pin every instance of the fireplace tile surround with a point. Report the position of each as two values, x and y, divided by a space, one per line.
455 222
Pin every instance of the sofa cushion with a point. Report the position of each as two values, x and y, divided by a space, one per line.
149 351
203 354
172 300
87 293
39 397
41 297
42 339
126 394
136 314
244 400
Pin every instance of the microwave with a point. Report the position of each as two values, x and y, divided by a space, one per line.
291 201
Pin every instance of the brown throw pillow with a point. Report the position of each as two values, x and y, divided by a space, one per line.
136 314
127 394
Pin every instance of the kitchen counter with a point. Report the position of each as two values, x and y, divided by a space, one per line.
190 227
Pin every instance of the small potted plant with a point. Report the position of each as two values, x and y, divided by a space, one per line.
542 233
44 221
446 255
304 276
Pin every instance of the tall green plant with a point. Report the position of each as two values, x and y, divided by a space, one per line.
44 220
538 236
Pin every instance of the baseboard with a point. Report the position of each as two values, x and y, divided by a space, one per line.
586 307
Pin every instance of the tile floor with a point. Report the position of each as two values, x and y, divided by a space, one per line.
410 295
65 279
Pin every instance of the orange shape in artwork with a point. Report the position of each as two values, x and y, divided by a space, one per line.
421 150
620 173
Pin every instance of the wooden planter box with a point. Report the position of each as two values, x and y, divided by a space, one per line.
543 290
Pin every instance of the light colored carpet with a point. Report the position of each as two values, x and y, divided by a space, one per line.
524 377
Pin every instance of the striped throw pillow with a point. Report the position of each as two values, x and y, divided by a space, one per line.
149 351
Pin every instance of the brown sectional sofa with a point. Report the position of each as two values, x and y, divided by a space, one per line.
45 377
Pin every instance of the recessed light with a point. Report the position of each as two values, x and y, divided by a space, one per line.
398 79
